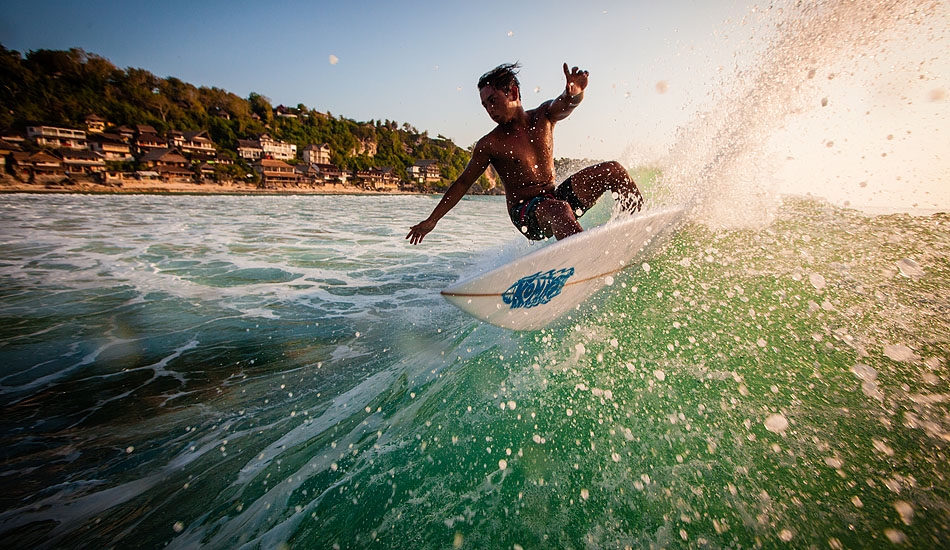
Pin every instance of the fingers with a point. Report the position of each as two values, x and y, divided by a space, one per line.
415 236
574 72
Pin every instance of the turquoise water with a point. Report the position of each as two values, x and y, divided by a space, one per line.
280 372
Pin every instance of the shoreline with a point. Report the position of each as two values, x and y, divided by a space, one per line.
85 188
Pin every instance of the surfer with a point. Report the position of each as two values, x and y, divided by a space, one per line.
521 149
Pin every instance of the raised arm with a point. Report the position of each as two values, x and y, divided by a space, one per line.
563 105
476 166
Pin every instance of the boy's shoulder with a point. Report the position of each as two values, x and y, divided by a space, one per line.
489 140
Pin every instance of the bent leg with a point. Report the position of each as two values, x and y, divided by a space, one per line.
555 217
591 182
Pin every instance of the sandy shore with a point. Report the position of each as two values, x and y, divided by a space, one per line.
8 186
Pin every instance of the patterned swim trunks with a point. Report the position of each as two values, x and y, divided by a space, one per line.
523 214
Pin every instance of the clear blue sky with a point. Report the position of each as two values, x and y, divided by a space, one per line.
418 62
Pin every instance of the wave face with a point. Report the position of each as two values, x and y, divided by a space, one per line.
280 372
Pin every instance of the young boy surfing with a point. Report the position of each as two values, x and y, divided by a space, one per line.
521 149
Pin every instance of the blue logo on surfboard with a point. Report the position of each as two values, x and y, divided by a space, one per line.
538 289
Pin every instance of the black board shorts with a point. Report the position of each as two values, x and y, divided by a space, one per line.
523 213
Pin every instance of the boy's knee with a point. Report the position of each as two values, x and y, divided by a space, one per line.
612 168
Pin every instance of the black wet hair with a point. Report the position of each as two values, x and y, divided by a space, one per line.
501 77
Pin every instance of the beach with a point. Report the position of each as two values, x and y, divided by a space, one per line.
8 185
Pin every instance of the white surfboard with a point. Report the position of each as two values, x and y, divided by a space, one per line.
532 291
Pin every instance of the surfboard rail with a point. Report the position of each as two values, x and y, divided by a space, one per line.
530 292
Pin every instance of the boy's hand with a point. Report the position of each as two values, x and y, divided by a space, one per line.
419 231
576 80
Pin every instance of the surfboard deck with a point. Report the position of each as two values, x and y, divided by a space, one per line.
533 291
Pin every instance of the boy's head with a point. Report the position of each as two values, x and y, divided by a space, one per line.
501 77
500 92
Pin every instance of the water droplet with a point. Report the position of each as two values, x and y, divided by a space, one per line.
776 423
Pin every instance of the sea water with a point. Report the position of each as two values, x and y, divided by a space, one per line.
281 372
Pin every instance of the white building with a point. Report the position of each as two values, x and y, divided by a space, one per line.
426 170
51 136
250 149
277 149
317 154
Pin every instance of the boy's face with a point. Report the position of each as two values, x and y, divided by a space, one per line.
500 105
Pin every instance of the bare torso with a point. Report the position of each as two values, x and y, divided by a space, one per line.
522 152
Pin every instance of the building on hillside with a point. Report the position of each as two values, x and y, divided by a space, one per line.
163 157
52 136
378 179
13 138
40 164
424 171
95 124
196 144
169 164
127 133
111 146
275 173
175 174
145 143
78 161
282 111
148 176
112 178
5 149
317 154
206 171
250 149
309 174
277 149
333 174
145 129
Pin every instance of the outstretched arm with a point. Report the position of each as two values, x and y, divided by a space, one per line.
476 166
563 105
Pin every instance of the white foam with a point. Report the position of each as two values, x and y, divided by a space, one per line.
776 423
900 352
909 268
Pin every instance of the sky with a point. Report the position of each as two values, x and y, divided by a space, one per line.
670 82
415 62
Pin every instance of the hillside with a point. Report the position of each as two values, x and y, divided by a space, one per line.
63 87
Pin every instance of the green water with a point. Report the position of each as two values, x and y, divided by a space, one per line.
209 386
644 424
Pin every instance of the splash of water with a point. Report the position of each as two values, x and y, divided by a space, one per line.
846 101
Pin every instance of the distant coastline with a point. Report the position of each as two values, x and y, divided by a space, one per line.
152 188
115 130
